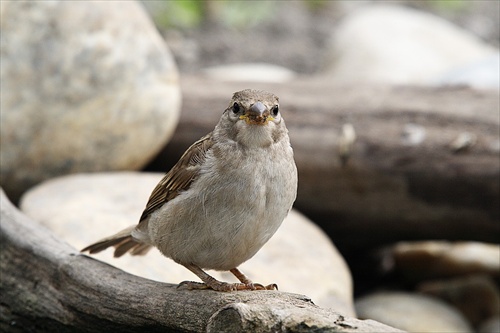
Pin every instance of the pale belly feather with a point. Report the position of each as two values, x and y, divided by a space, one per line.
227 220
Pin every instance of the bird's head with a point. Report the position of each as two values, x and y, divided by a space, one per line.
255 118
255 107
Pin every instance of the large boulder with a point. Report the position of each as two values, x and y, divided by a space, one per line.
393 44
86 86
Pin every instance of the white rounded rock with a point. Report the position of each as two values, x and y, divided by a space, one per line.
398 45
86 86
411 312
250 72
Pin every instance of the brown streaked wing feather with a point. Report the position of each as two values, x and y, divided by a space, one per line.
180 177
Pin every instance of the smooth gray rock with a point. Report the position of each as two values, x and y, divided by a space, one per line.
86 86
476 296
421 260
250 72
492 325
398 45
411 312
480 74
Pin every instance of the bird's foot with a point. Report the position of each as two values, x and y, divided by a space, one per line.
224 286
254 286
272 286
210 282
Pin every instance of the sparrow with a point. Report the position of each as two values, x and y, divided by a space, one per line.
223 200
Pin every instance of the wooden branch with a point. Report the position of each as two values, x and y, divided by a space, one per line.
48 286
407 175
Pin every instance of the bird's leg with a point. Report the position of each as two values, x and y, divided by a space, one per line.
211 283
243 278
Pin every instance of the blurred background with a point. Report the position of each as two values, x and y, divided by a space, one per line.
297 35
393 111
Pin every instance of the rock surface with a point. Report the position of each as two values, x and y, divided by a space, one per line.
86 86
383 43
85 208
491 325
250 72
418 261
411 312
481 74
476 296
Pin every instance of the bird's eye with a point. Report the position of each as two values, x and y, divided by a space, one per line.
236 107
275 110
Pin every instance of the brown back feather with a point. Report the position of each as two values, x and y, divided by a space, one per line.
180 177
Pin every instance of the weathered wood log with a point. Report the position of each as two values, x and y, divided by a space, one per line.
424 163
48 286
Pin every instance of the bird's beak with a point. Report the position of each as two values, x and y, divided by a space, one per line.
258 114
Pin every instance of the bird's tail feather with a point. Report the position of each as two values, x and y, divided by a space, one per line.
123 243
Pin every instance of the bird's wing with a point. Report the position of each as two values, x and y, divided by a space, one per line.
180 177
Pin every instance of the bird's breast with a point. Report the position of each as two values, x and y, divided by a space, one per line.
231 210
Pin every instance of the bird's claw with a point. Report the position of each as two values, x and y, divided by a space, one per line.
191 285
223 286
258 286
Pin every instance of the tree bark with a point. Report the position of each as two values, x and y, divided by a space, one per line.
48 286
424 163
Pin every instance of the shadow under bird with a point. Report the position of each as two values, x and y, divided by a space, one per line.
224 199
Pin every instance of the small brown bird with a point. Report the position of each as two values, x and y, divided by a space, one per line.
225 197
